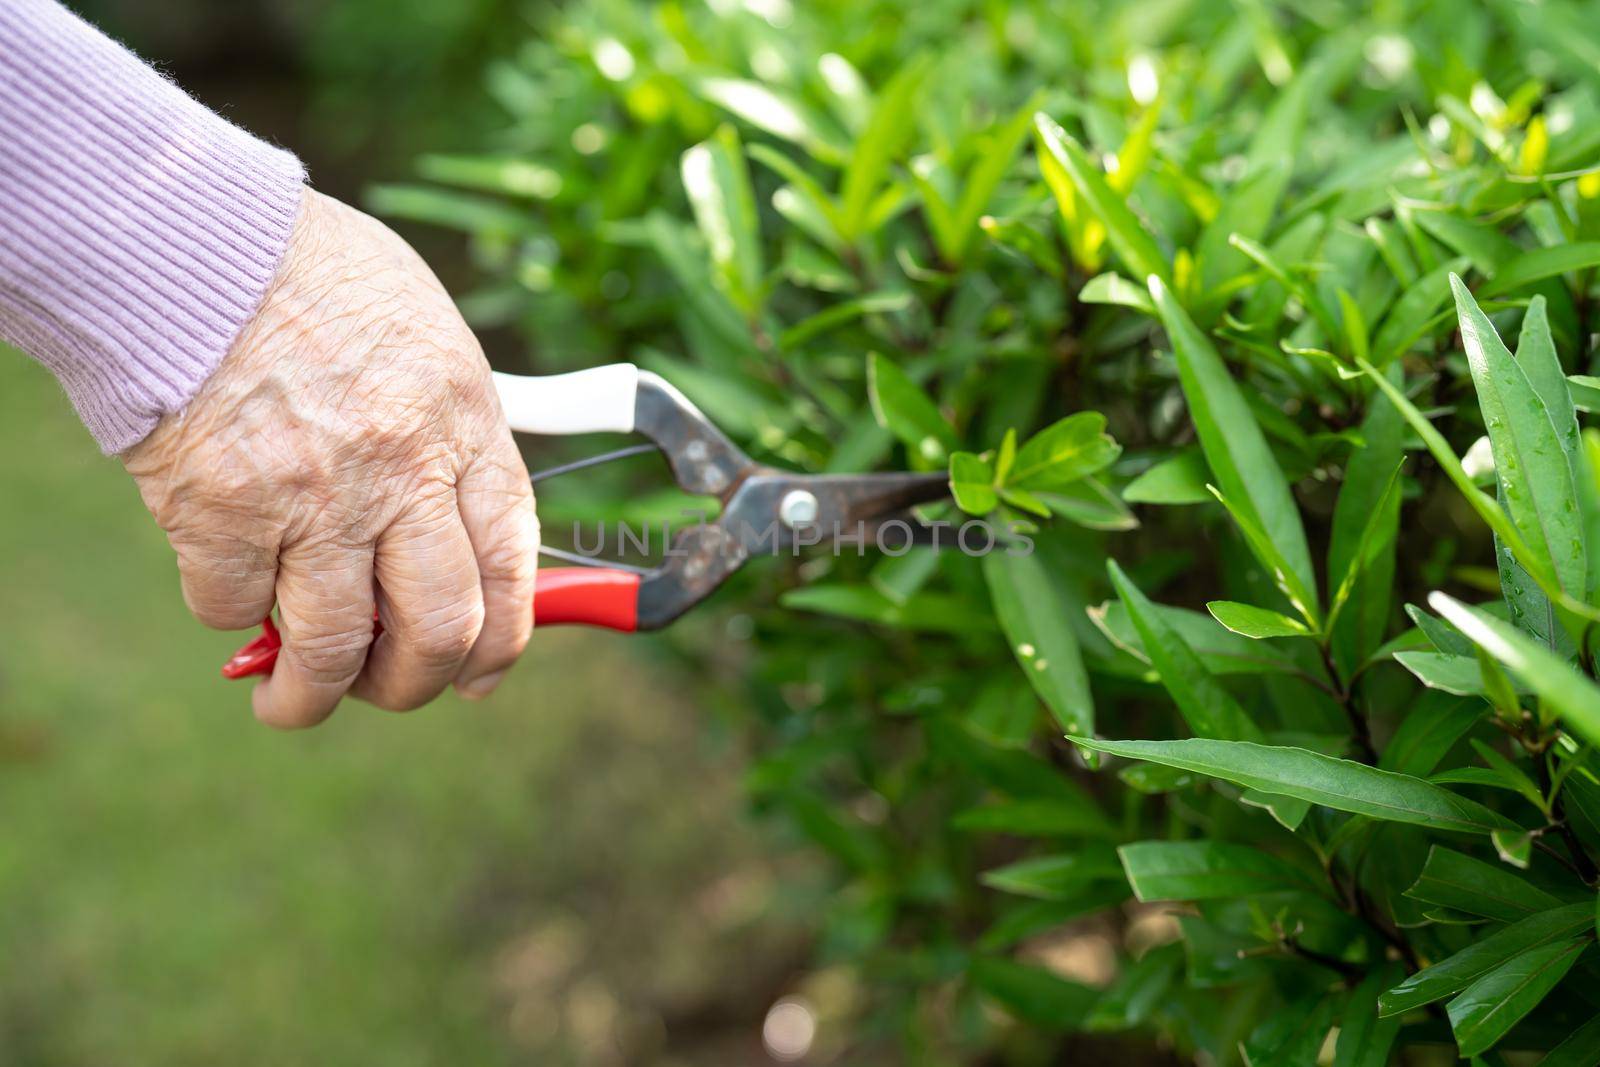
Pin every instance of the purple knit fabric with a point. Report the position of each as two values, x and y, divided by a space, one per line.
138 230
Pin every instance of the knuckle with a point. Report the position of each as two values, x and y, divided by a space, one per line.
225 614
512 555
447 636
396 700
331 657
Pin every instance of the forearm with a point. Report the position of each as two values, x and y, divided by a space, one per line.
138 230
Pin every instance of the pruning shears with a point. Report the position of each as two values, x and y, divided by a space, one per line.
765 510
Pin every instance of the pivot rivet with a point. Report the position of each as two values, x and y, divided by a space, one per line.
798 508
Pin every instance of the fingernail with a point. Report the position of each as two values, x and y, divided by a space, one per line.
479 688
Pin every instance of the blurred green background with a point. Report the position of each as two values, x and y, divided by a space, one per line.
564 874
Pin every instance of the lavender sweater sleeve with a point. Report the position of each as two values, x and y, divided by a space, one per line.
138 230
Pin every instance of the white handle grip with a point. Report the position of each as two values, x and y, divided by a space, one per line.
597 400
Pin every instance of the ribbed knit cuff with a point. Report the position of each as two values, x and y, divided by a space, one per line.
138 230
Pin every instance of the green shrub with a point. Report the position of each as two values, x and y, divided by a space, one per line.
1358 812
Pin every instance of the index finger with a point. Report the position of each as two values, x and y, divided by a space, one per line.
325 605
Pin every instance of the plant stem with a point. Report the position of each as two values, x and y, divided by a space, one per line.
1344 694
1580 864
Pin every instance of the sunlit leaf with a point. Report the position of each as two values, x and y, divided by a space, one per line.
1311 776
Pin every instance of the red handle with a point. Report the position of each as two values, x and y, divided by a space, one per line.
583 596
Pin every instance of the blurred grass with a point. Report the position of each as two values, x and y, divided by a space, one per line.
562 874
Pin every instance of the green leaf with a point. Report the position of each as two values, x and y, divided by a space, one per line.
1311 776
1204 870
1152 779
1247 620
1055 877
1264 258
886 134
1004 713
1374 546
1493 1004
1127 235
776 112
836 315
1584 391
1450 674
1247 211
1431 727
1140 990
718 186
1178 479
1513 846
1453 880
1580 1049
1113 288
1208 708
1413 313
1536 355
1025 918
1531 459
1540 263
1032 994
1037 818
1365 1038
1488 510
1441 635
1573 696
1454 973
458 211
1089 503
972 483
994 159
1235 448
1266 551
1007 457
1063 452
929 612
1032 606
905 411
1222 651
1288 812
805 187
1023 500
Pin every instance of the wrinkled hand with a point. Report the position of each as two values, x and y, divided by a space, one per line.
350 454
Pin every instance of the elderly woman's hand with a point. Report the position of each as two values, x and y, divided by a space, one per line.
350 454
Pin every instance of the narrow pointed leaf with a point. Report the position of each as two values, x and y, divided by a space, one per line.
1180 479
1235 448
1268 553
1247 620
1453 880
1336 783
1580 1049
1488 510
1208 708
887 132
1540 263
1034 611
1432 726
1055 877
1492 1005
1574 697
904 410
1531 459
718 186
1204 870
1454 973
1129 239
